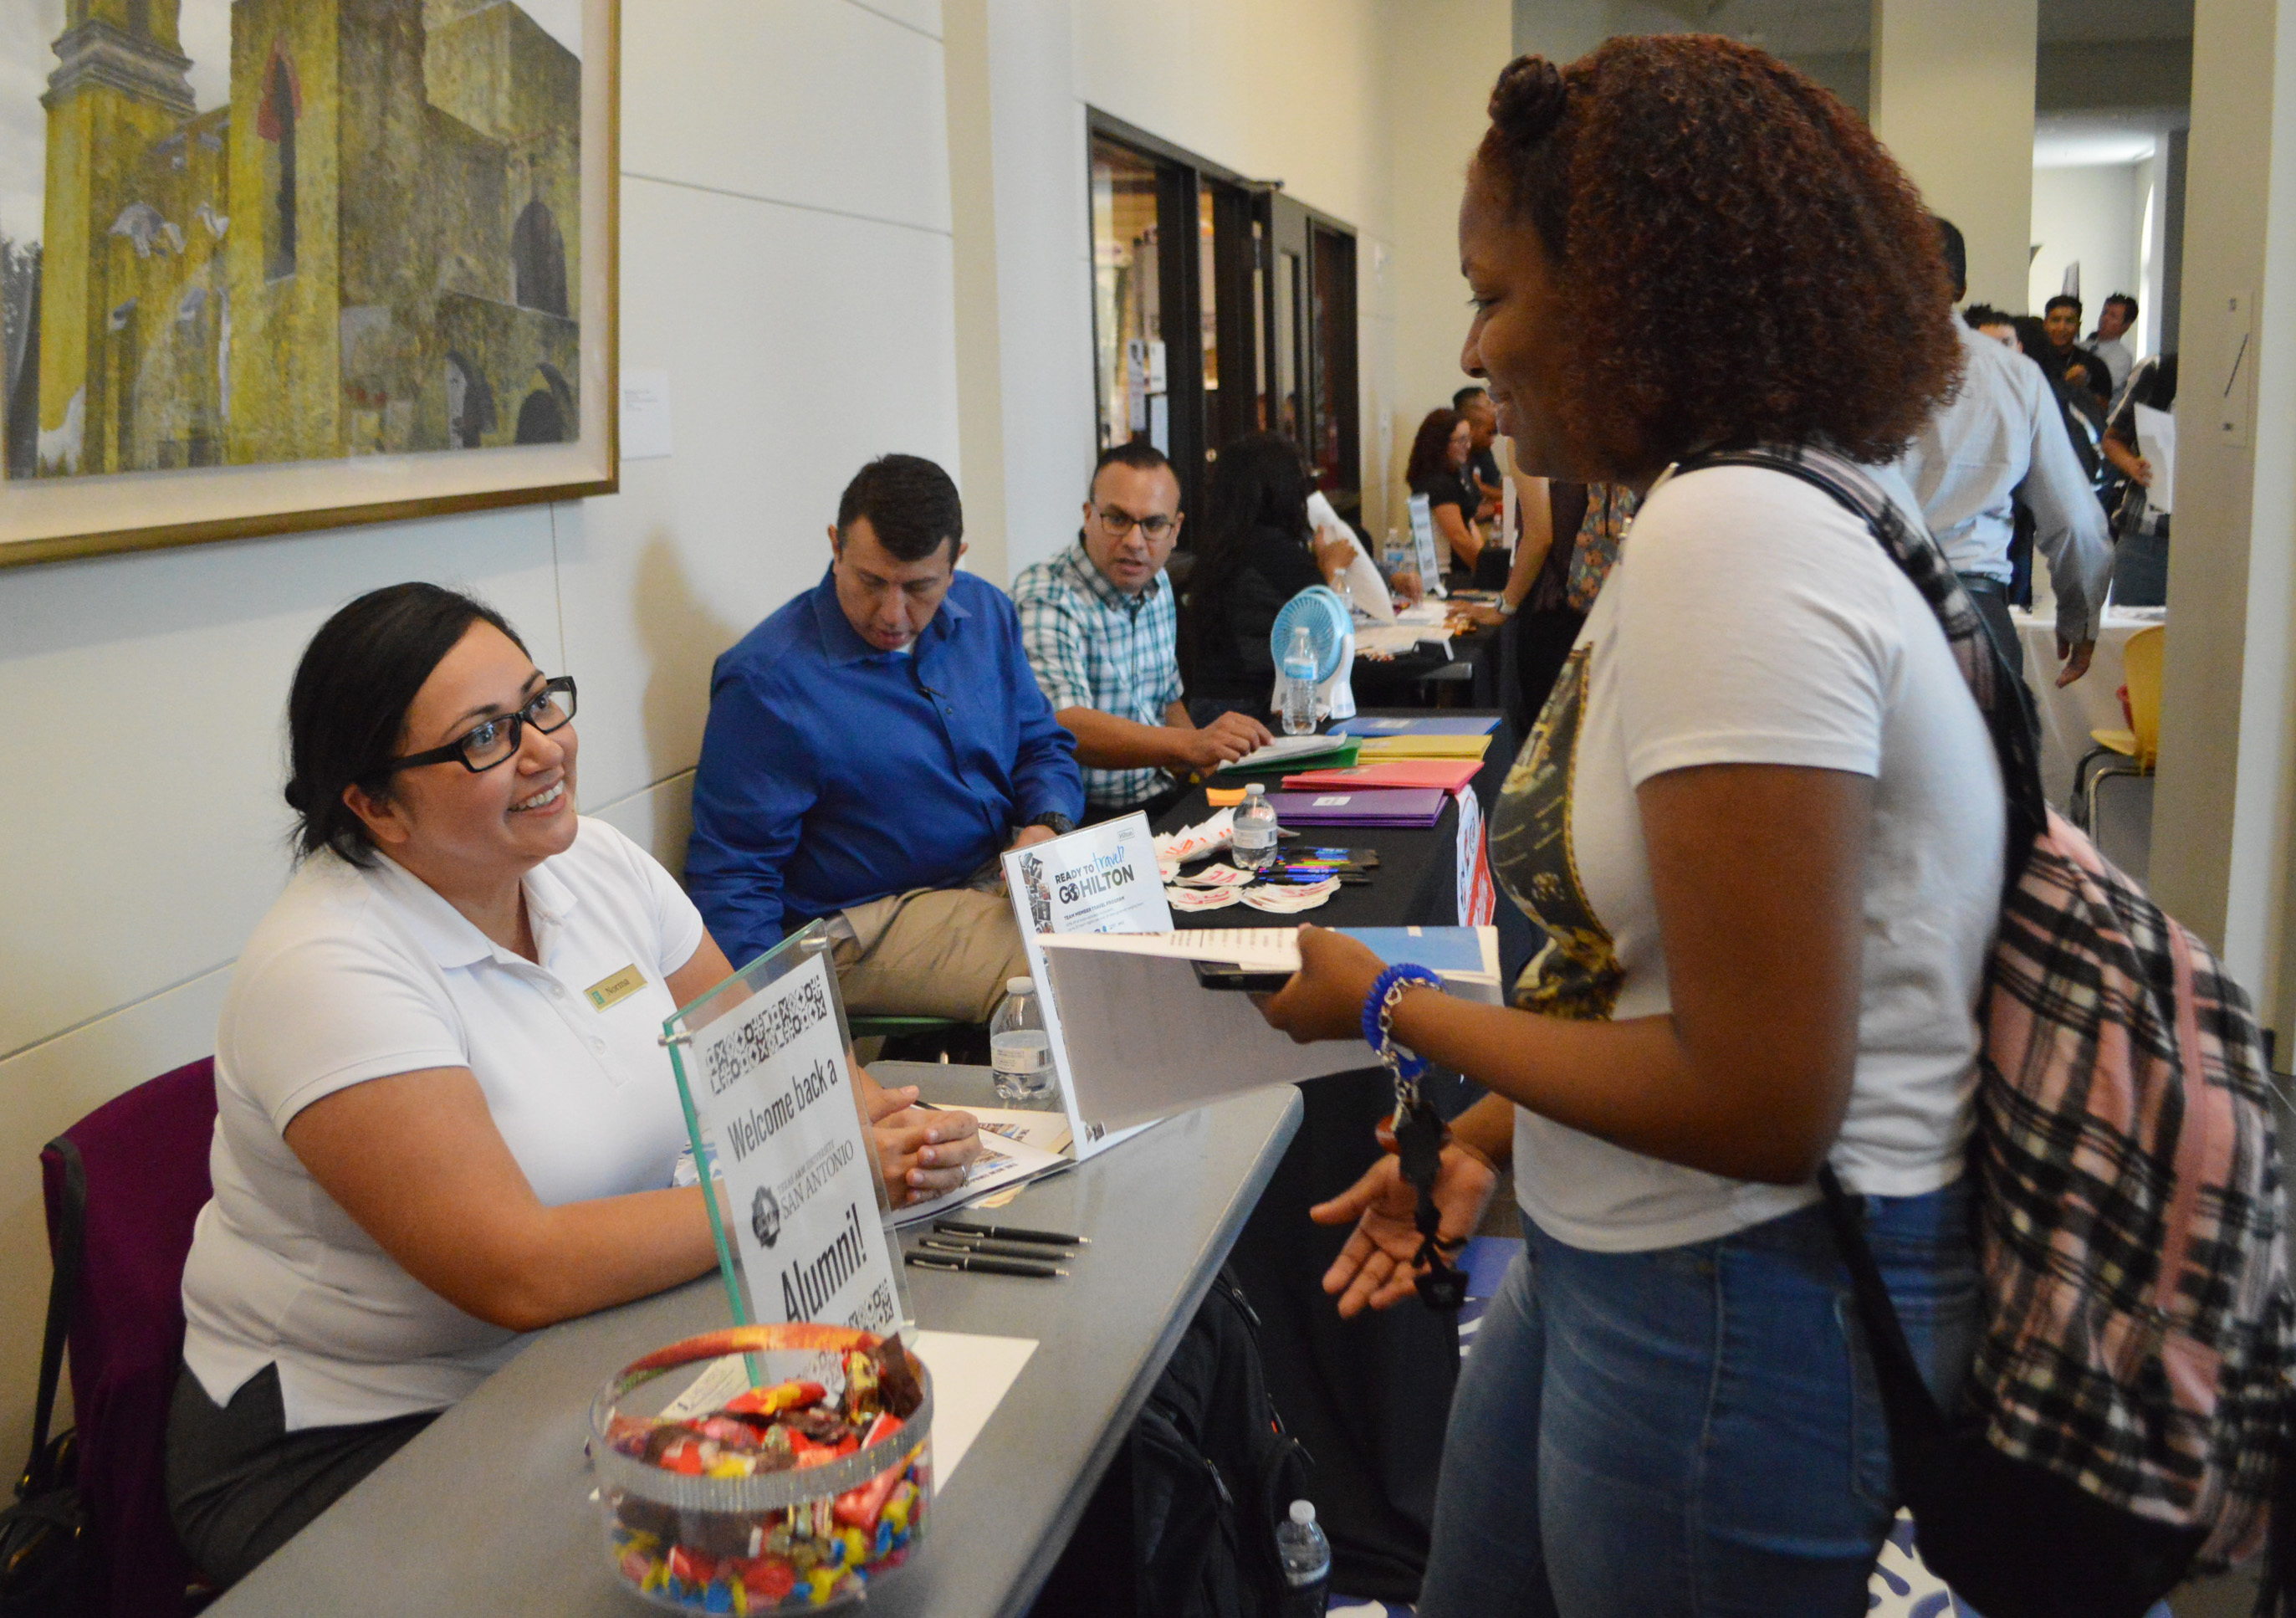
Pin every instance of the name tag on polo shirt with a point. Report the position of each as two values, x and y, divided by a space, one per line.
610 992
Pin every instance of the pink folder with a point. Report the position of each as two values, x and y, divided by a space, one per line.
1445 775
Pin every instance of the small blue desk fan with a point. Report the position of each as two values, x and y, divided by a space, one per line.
1332 631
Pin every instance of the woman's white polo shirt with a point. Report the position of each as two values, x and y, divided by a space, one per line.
359 974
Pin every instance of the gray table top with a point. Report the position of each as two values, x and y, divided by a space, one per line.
489 1510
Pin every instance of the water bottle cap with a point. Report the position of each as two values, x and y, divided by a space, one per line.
1255 789
1303 1512
1020 985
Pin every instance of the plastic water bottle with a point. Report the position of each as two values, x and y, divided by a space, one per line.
1396 554
1019 1050
1300 684
1307 1557
1254 843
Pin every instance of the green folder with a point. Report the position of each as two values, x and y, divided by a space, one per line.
1341 753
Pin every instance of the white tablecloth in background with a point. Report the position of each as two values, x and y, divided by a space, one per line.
2089 703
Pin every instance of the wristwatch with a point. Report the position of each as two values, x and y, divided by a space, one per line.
1061 825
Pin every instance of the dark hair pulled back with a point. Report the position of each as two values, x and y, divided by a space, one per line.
1260 481
346 710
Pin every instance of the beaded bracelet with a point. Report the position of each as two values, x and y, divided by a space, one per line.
1387 990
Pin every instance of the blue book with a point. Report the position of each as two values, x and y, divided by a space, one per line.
1430 725
1465 958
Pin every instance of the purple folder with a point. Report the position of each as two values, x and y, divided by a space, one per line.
1414 807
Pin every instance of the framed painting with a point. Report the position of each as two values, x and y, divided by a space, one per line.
274 265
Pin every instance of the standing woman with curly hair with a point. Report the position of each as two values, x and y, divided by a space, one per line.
1760 824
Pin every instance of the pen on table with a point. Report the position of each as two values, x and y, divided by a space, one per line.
988 1267
1034 1251
1011 1233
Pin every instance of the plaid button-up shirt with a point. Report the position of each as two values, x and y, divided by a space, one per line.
1091 645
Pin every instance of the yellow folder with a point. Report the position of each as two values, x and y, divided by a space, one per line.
1377 749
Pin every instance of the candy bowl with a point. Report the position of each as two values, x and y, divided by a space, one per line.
792 1465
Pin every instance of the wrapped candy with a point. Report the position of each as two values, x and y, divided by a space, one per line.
790 1494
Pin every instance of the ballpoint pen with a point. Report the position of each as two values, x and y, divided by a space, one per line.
1011 1233
988 1267
1035 1252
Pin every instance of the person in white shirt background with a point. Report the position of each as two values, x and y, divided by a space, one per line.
2000 442
444 1117
2108 343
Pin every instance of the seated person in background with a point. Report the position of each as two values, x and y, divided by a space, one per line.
1259 553
428 1138
872 748
1482 461
1438 469
1101 635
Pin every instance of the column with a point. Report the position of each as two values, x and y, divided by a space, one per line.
1953 101
2224 802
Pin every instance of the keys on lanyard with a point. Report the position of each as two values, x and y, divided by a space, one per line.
1419 1137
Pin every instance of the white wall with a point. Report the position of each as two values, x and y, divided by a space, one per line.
1953 101
2093 214
785 253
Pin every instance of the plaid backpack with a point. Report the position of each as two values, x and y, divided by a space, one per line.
2122 1427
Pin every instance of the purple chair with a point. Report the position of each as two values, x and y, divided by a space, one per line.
124 1186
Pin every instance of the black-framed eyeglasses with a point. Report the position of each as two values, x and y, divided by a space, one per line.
495 741
1122 523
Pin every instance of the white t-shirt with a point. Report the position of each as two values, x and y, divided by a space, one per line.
1753 620
356 974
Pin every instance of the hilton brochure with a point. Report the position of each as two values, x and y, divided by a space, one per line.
1422 541
796 1206
1159 1043
1099 878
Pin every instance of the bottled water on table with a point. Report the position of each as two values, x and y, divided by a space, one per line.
1300 684
1019 1050
1307 1558
1254 838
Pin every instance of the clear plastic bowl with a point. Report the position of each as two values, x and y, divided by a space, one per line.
802 1538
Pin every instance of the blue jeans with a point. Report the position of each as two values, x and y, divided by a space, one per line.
1693 1432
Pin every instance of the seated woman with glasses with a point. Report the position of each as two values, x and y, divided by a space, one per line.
445 1117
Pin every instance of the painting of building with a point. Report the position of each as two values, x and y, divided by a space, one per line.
372 246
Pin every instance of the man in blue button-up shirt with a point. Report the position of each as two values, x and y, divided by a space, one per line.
872 748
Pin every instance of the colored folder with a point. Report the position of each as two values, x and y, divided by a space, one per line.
1447 774
1291 753
1382 806
1426 725
1378 749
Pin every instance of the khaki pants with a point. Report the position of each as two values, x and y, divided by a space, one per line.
932 952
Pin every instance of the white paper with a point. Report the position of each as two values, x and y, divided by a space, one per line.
1261 758
1363 582
2156 441
1099 878
771 1083
1003 1161
971 1374
645 415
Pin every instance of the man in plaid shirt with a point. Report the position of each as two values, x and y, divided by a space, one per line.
1100 627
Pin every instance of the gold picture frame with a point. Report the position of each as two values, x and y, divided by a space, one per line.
327 282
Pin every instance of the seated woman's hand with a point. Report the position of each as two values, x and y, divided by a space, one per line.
920 1151
1324 998
1375 1269
1406 586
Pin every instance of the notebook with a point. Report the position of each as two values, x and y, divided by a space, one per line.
1430 725
1378 749
1447 774
1406 807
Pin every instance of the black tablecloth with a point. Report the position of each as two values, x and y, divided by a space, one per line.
1368 1397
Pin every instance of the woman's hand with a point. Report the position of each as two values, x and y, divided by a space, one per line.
1324 998
1375 1269
1334 553
920 1151
1406 586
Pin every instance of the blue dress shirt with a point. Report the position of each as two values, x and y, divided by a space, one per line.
833 773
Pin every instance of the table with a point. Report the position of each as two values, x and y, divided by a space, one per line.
488 1509
1368 1397
2089 703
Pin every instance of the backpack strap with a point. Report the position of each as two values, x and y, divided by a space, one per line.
2001 697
